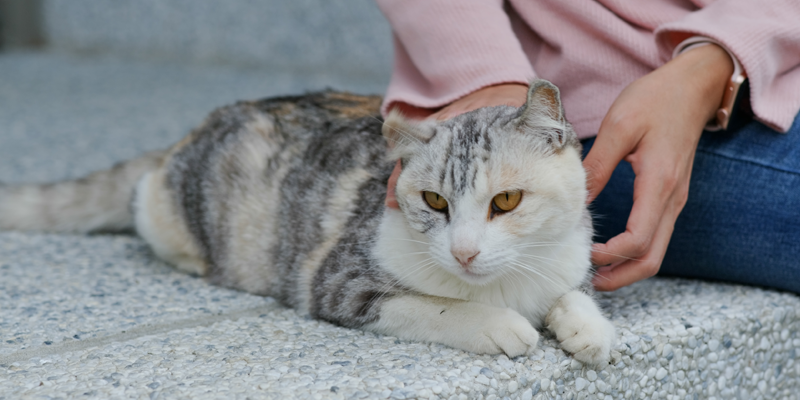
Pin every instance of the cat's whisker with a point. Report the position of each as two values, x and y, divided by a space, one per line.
530 268
411 240
425 263
545 260
618 255
523 269
530 245
515 282
411 269
554 279
396 281
505 280
378 267
537 244
600 276
537 272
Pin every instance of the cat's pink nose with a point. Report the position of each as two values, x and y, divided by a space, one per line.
464 256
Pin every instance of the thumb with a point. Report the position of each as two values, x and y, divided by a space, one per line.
598 172
606 153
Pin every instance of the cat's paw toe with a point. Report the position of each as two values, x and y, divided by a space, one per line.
588 339
511 334
588 348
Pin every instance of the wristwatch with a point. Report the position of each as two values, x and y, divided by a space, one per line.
735 110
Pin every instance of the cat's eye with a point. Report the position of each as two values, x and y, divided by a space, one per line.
506 201
436 202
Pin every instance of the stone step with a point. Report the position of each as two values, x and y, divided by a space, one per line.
342 37
99 316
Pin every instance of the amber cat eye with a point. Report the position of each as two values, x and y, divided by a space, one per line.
506 201
435 201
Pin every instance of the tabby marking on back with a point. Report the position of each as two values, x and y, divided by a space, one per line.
284 197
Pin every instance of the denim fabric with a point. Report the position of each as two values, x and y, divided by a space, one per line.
742 219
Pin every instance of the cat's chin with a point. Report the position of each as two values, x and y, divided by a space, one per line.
475 279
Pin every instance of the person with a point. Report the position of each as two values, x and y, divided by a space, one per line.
639 83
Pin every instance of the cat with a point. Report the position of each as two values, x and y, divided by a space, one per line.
284 197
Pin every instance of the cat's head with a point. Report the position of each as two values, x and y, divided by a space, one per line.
484 188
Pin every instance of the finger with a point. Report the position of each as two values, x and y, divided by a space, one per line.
440 115
391 199
628 272
651 194
412 112
449 111
612 144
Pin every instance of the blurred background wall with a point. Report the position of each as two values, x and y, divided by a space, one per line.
20 24
347 38
86 83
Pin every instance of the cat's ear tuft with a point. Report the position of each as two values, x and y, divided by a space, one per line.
544 114
404 135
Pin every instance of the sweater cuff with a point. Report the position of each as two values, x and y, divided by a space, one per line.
763 36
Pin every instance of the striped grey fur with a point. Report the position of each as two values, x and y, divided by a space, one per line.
284 197
316 141
97 202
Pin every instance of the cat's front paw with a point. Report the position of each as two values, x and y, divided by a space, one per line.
581 328
504 331
465 325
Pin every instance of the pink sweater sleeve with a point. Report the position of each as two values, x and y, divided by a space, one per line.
765 38
446 49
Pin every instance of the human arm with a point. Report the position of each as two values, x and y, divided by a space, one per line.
764 36
765 39
655 124
446 50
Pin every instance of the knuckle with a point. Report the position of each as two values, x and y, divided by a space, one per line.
652 268
671 179
678 198
640 245
609 286
623 123
682 199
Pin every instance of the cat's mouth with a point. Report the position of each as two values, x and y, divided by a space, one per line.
473 277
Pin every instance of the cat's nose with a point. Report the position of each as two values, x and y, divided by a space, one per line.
464 256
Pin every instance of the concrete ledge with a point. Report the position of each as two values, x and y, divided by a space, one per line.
350 37
100 317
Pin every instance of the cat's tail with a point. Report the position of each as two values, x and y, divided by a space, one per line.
97 202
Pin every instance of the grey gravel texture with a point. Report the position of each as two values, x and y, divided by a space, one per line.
100 317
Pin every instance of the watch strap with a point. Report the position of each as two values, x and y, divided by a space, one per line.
727 107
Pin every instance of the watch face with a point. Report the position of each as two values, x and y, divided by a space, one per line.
741 113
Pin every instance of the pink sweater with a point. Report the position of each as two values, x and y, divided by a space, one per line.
446 49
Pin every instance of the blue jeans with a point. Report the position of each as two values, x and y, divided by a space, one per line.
742 220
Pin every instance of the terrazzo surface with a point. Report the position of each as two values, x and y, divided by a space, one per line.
100 317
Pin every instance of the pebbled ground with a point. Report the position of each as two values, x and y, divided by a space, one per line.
100 317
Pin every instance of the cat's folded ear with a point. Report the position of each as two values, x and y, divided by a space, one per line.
404 135
543 114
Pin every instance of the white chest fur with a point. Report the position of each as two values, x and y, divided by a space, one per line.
530 292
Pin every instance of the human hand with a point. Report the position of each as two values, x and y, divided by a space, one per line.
655 124
509 94
512 94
